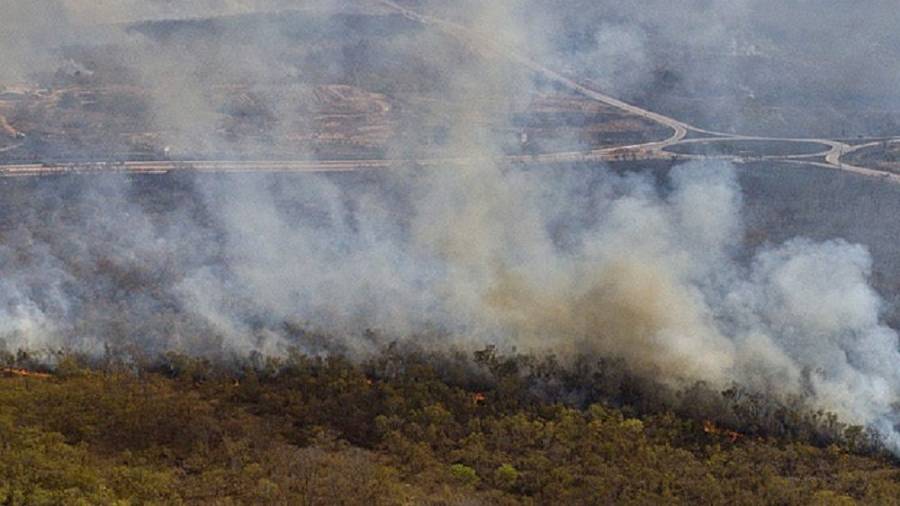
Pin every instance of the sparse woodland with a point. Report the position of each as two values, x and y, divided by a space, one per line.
407 427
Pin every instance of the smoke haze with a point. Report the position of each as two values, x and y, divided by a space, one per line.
563 261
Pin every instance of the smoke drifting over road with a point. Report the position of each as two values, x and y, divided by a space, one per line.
558 261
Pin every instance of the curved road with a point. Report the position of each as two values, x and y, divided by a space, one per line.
832 156
829 158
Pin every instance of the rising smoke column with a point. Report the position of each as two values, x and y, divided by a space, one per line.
568 263
547 261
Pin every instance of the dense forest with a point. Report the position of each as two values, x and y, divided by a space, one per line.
410 427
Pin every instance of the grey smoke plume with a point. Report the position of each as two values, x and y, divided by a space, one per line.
468 253
564 263
21 31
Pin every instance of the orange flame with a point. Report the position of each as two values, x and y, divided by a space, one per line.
23 373
711 428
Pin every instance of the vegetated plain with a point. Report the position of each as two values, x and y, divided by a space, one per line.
386 94
883 156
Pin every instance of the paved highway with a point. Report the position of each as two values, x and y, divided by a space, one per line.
830 156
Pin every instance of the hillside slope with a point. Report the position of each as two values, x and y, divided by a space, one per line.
406 428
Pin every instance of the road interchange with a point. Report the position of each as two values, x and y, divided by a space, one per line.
830 157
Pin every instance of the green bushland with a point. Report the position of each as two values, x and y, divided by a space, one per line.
410 427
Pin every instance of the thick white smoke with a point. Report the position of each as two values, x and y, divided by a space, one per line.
814 302
546 261
567 263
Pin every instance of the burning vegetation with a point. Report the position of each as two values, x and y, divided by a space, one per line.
413 427
23 373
